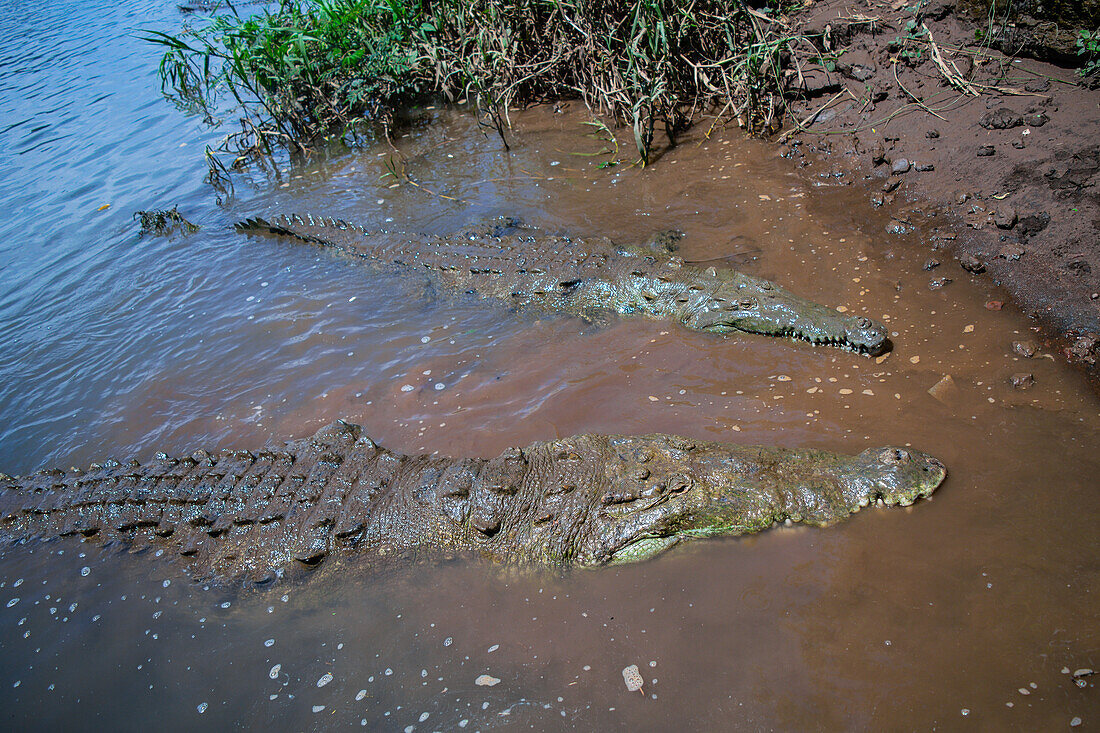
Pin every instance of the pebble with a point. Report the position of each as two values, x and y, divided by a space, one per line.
901 165
971 263
985 151
1026 349
1023 380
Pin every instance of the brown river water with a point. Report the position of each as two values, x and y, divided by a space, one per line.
968 611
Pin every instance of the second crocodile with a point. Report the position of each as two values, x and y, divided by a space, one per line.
575 275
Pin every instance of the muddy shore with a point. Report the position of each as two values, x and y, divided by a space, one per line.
1001 152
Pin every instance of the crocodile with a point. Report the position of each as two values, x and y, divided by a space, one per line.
585 275
586 500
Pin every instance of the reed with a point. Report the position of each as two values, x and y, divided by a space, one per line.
305 70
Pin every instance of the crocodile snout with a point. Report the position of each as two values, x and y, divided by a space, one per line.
867 335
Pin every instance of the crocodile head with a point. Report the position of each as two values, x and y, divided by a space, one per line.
666 490
745 303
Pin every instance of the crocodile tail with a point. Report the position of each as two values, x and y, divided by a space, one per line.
230 515
325 231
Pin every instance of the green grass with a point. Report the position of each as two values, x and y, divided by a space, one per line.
304 70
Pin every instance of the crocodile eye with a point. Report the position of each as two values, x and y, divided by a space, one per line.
678 485
895 456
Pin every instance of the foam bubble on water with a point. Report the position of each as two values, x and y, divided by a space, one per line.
493 648
360 695
202 707
487 681
84 571
448 641
274 673
12 602
325 679
423 717
318 708
269 642
633 678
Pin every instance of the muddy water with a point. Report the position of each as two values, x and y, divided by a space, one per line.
959 612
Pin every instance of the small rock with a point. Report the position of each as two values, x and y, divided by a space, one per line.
1018 144
961 197
890 185
994 305
1083 348
1001 118
899 166
897 226
1022 380
1011 251
859 72
1027 348
938 282
1005 217
877 200
924 167
971 263
931 264
932 134
1037 85
944 390
878 154
984 151
1037 119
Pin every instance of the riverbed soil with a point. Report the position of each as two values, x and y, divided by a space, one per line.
908 100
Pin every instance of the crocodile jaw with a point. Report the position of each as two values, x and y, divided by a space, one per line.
754 305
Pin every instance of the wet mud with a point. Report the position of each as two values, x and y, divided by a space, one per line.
1004 147
972 609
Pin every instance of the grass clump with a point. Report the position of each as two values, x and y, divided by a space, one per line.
305 69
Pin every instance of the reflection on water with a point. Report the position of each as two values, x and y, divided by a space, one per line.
119 344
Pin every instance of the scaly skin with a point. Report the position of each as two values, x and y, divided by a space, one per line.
579 276
584 500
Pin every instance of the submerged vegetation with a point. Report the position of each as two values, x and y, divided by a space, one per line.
302 70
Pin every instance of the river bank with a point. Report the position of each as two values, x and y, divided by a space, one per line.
1002 153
